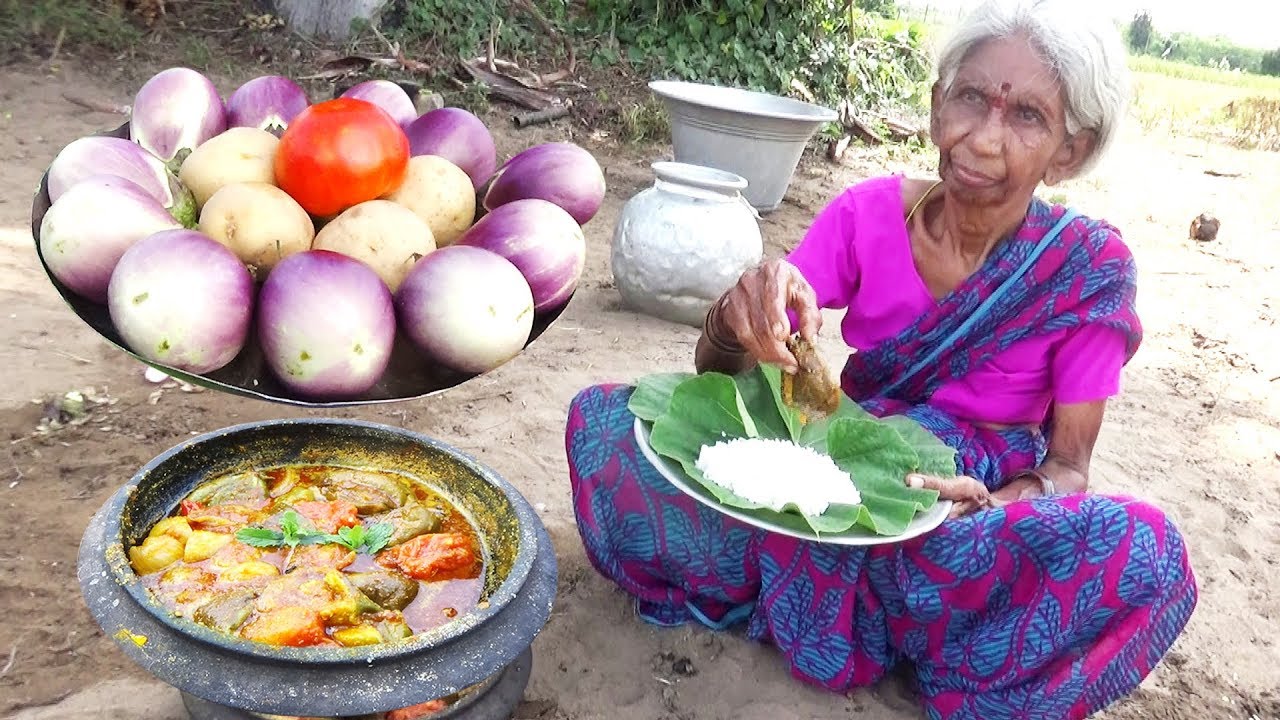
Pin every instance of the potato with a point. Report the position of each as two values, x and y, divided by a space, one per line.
234 553
241 154
441 194
248 571
203 544
296 495
358 635
175 527
155 554
260 223
386 236
292 626
182 576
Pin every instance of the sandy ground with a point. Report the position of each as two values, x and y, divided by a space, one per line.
1196 431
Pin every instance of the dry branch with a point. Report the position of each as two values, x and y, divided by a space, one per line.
541 116
837 148
900 130
504 87
57 46
547 28
406 63
96 105
348 64
13 655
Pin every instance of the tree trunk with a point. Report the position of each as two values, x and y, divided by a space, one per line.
327 18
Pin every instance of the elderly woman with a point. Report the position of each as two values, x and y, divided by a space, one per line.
999 322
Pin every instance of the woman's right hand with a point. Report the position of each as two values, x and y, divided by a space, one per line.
754 312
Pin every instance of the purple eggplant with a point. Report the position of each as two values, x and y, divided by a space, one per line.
560 172
269 102
542 240
176 110
387 95
457 136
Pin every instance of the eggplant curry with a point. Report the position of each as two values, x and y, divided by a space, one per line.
313 555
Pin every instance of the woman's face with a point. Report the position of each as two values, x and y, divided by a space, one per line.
1001 126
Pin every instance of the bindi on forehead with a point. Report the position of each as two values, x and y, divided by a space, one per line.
1001 91
1001 100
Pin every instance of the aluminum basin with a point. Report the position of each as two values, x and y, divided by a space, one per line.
753 134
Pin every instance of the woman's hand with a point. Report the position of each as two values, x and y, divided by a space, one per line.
970 495
967 493
754 312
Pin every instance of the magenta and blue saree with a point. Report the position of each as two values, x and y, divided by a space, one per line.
1048 608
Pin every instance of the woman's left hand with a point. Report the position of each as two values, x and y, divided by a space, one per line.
967 493
1011 493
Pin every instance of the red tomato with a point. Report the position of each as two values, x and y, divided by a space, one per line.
340 153
327 517
434 556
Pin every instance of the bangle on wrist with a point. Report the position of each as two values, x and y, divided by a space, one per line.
711 329
1047 487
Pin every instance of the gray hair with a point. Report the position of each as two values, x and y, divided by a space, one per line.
1083 48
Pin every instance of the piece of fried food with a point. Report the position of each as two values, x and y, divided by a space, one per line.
813 390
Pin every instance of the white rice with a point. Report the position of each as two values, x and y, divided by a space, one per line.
775 473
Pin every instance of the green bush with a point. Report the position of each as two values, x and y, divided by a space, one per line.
835 49
462 27
1270 64
1140 32
1145 38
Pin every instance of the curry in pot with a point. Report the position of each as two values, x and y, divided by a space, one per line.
313 556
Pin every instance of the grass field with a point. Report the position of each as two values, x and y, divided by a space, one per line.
1147 65
1237 108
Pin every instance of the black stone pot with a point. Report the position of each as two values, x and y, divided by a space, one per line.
494 699
519 584
409 374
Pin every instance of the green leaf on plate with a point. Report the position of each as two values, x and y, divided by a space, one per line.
879 459
839 518
815 433
936 457
704 410
870 450
773 374
758 398
689 412
652 395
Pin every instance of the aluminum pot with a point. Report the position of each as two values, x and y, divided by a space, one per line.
681 243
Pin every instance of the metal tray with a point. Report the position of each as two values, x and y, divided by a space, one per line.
409 375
